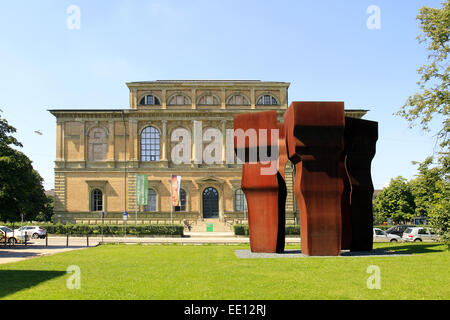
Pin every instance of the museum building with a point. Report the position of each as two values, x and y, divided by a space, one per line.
100 151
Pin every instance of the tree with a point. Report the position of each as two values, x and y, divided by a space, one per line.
440 214
395 201
47 212
434 98
21 188
433 101
427 187
6 131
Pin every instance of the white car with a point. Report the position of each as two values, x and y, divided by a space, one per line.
381 236
419 234
34 232
11 237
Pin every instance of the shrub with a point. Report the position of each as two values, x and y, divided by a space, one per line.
117 230
242 230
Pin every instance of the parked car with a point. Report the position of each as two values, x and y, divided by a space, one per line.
34 232
381 236
398 230
12 237
419 234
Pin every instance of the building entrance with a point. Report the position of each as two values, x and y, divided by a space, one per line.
210 203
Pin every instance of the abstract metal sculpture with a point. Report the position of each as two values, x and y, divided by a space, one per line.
360 137
265 190
315 144
332 155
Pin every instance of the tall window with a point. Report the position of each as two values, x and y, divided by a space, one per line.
267 100
179 100
182 201
240 203
208 100
97 144
96 200
238 100
151 204
150 144
150 100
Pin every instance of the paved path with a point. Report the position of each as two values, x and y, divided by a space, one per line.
10 254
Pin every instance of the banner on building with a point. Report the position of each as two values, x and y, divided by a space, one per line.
175 182
141 189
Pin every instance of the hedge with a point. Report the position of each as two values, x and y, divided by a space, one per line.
242 230
116 230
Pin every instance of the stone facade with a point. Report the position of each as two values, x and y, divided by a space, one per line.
100 149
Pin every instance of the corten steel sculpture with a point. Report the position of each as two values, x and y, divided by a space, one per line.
346 222
360 137
265 190
315 143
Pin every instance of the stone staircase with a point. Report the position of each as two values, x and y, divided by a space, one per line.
289 172
218 226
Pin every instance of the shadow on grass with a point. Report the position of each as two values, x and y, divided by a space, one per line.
16 280
415 248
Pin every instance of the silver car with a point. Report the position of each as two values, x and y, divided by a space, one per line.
11 237
381 236
34 232
419 234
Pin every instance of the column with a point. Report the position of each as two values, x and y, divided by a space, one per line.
197 150
193 142
224 141
60 154
82 141
252 98
223 104
194 98
132 128
164 99
164 140
111 141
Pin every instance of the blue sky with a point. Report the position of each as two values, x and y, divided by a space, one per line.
323 48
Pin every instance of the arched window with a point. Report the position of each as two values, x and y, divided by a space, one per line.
208 100
96 200
150 100
150 144
238 100
267 100
151 204
97 144
179 100
182 207
240 203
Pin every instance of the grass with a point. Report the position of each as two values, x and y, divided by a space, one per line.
214 272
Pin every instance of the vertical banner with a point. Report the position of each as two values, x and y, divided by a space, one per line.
141 189
175 185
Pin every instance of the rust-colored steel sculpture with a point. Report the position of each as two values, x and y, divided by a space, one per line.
264 190
360 137
346 218
314 139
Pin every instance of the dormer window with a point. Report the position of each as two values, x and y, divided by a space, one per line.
150 100
267 100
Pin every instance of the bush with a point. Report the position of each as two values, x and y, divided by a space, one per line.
242 230
116 230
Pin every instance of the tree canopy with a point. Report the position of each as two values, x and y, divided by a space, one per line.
433 99
21 189
395 202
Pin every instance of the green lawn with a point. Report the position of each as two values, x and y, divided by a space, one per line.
214 272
